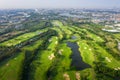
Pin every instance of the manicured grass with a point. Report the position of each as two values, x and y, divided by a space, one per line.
62 66
9 35
63 63
88 74
53 42
106 57
86 52
88 34
33 46
63 28
12 68
43 62
95 37
57 23
42 68
54 60
60 33
21 38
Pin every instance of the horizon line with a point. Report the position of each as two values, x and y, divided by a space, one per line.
62 8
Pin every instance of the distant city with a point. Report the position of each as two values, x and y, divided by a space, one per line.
107 17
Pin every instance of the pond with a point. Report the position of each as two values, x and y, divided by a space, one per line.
77 61
73 37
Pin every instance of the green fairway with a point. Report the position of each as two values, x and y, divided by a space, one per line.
63 28
44 60
88 34
22 38
86 52
11 69
62 62
107 58
60 33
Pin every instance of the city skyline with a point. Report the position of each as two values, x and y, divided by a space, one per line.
59 4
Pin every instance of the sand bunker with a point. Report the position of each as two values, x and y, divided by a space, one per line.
66 76
77 75
107 59
51 56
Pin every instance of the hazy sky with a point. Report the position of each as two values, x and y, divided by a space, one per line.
59 3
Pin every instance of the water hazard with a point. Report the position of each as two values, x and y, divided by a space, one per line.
77 61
